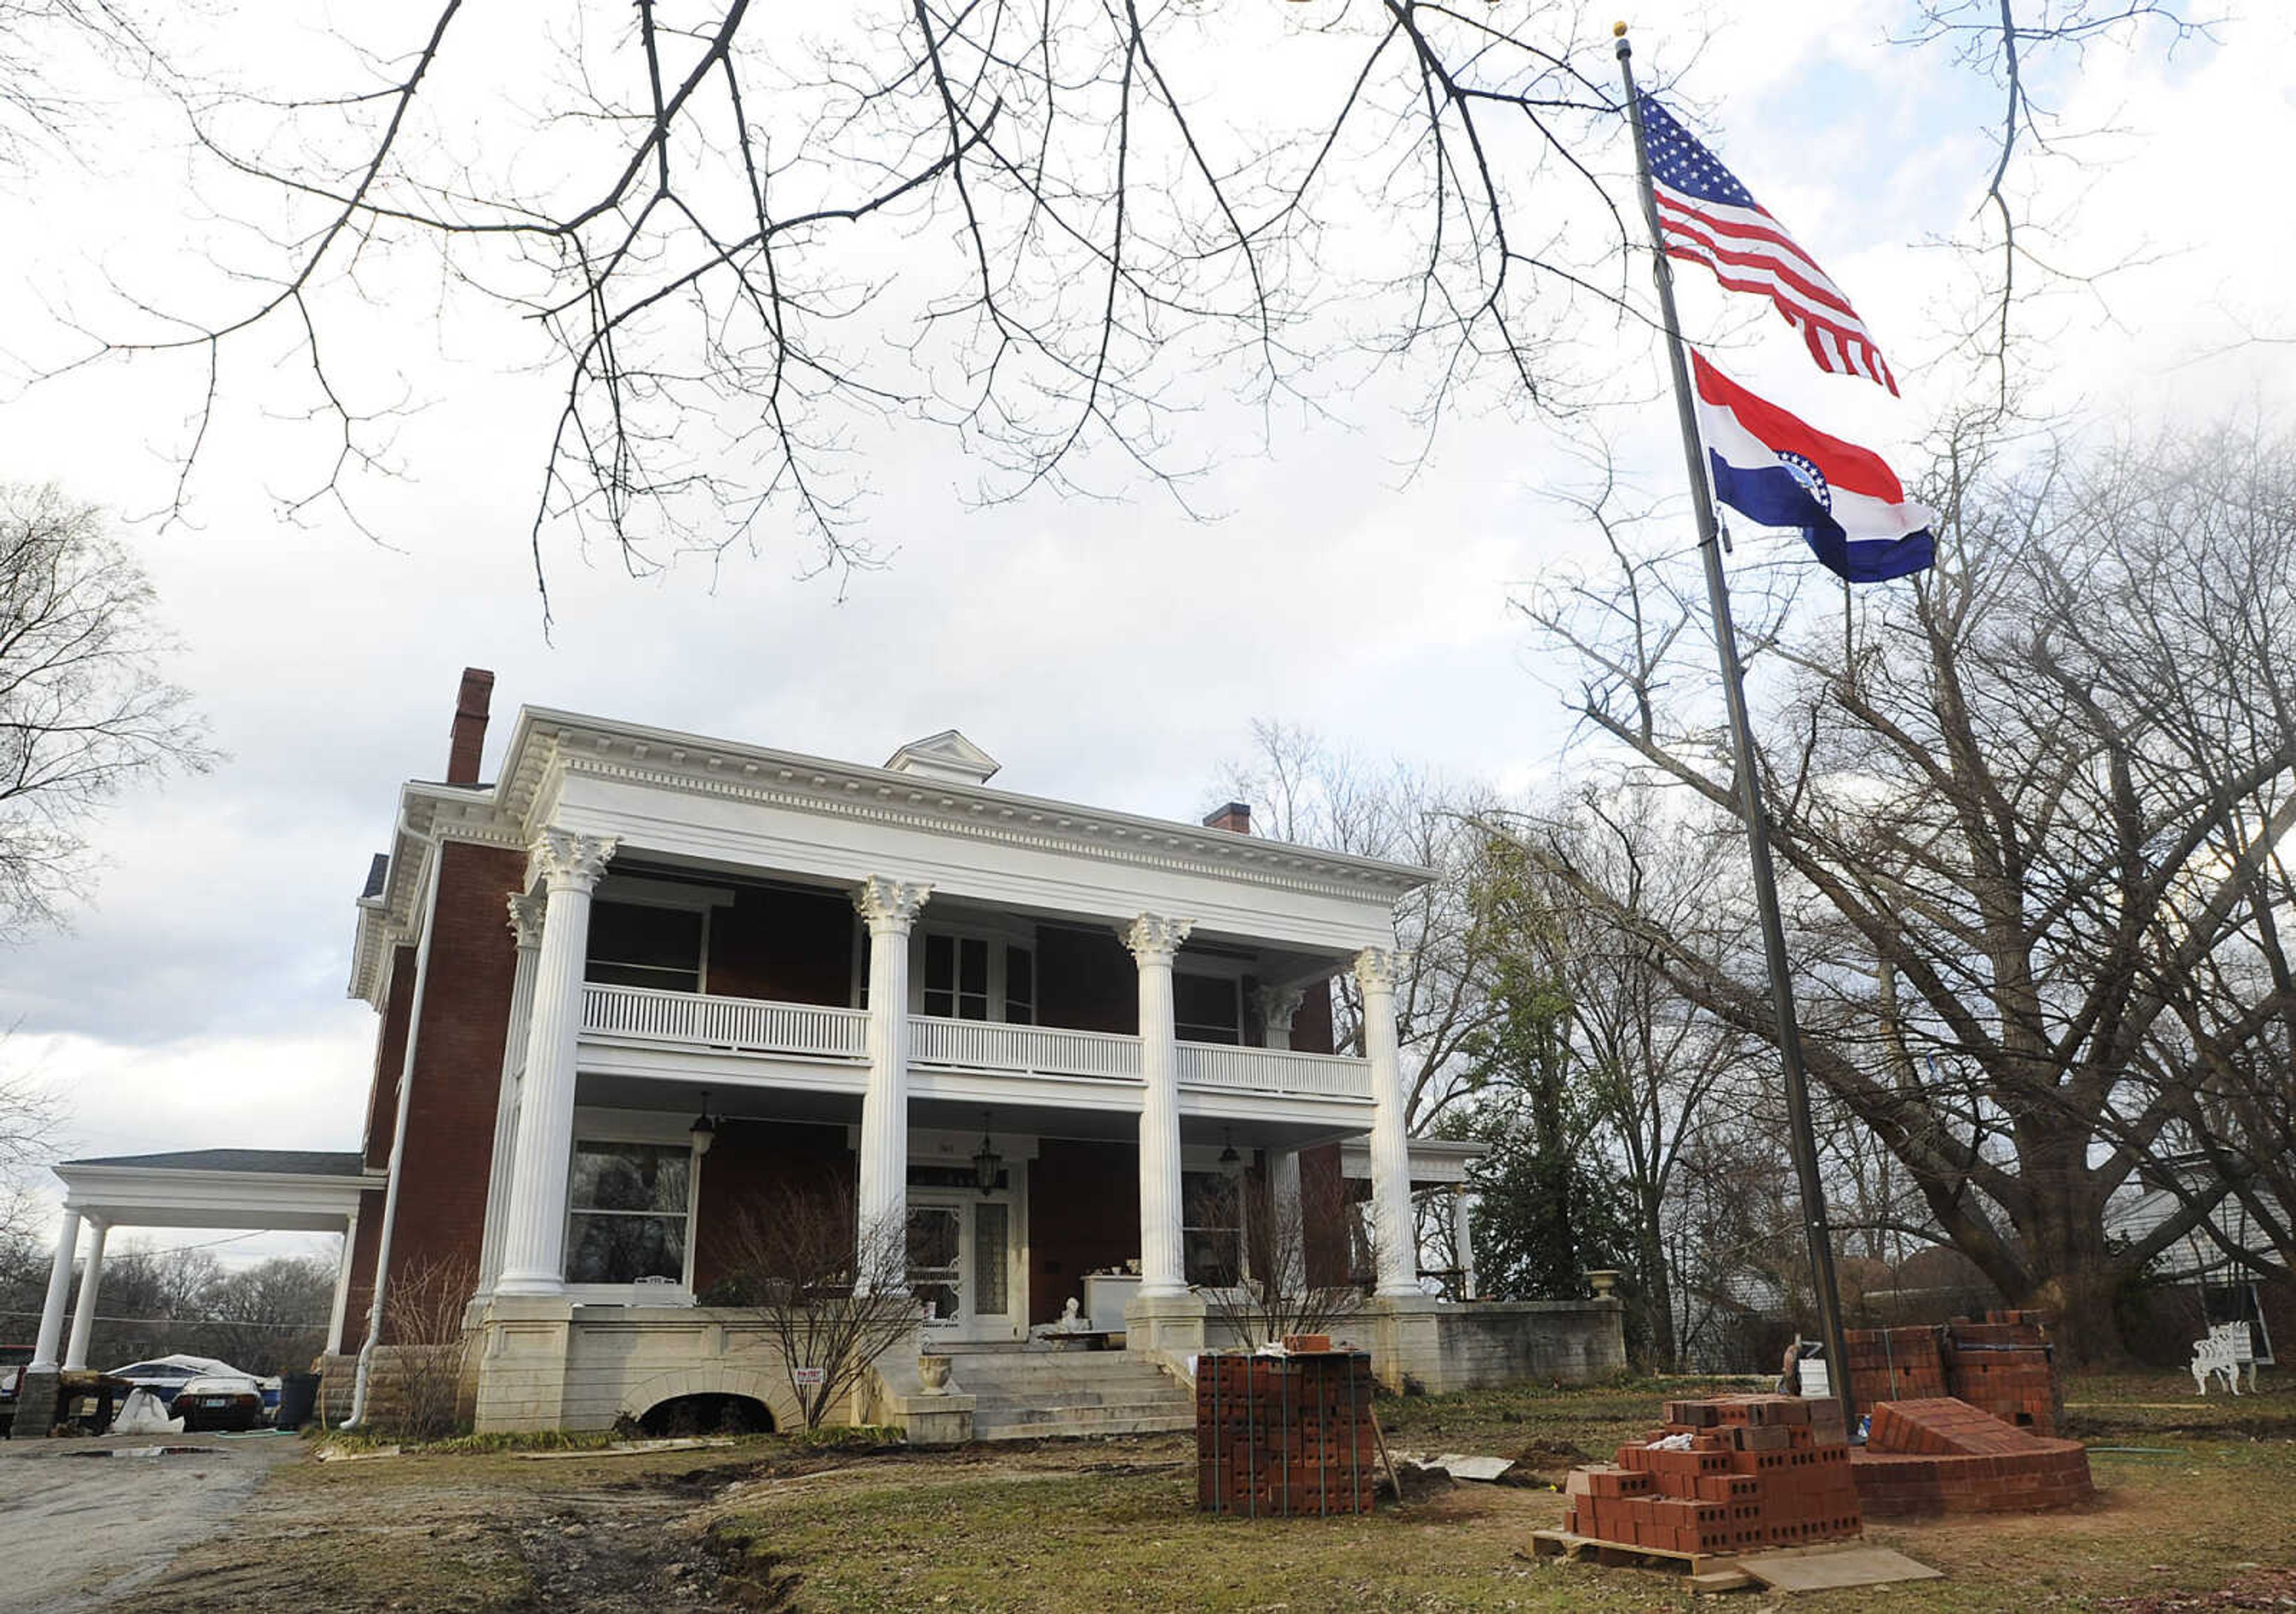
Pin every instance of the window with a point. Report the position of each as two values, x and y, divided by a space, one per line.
1211 1228
1020 986
637 945
629 1208
956 977
1208 1009
991 1223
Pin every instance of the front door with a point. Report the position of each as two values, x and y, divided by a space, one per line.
961 1264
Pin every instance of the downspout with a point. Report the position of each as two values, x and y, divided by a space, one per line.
398 1142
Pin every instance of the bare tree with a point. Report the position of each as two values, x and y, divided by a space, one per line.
1307 790
2020 803
1292 1286
833 1297
84 711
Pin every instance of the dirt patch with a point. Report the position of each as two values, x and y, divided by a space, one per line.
2265 1589
612 1558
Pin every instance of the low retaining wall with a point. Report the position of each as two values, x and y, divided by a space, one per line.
1439 1347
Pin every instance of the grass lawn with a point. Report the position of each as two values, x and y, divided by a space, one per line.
2214 1505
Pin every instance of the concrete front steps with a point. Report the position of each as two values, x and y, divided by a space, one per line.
1042 1395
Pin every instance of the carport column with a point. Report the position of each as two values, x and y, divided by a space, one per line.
52 1312
1153 940
881 1211
527 910
1394 1241
84 1314
534 1230
1463 1238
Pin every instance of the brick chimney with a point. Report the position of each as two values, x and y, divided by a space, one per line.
1234 818
470 725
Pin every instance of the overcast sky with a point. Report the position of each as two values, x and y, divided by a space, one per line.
1111 652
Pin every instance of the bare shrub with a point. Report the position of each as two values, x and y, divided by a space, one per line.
427 1349
832 1295
1292 1286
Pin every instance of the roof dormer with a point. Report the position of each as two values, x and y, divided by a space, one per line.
947 755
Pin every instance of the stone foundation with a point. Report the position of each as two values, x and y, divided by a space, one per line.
1439 1347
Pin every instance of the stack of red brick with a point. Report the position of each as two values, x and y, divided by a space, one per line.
1761 1470
2004 1365
1943 1455
1279 1437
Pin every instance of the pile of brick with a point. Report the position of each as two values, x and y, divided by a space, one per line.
1282 1436
2004 1365
1757 1470
1942 1455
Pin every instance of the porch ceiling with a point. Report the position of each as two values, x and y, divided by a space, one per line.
838 1109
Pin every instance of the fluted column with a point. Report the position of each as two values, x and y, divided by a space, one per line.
1153 940
52 1311
534 1224
1395 1241
890 908
526 916
91 1278
1277 1005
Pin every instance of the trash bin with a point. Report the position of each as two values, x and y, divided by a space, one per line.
299 1396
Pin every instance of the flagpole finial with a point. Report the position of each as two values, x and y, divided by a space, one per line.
1618 30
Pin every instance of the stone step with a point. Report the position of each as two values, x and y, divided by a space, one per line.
1078 1400
1083 1431
1034 1383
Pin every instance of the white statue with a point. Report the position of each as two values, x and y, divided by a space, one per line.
1073 1318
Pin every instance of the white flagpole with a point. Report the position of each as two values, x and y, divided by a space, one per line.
1801 1136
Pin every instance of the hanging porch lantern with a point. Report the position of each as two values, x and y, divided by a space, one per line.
987 1165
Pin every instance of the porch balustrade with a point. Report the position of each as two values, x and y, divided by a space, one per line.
749 1025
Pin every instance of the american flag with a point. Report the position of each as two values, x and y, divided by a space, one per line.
1707 217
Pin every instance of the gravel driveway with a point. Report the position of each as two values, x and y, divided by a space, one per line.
79 1529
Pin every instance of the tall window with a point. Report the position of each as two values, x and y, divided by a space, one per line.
956 977
637 945
629 1207
1211 1228
1020 986
1208 1009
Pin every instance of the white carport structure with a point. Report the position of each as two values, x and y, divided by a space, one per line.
261 1190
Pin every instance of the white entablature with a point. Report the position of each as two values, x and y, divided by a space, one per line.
727 803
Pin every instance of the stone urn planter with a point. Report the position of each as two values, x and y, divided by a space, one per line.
1604 1281
932 1375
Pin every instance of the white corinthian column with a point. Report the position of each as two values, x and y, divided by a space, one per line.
1396 1245
882 1209
526 916
1153 940
534 1226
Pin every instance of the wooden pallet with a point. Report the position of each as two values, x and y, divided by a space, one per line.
1703 1571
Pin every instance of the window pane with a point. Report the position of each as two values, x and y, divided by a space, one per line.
940 963
974 960
1020 986
1206 1009
631 944
625 1250
630 1177
933 1240
988 1236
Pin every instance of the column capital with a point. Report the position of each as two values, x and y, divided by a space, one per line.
889 905
573 862
1278 1004
1381 969
525 911
1153 937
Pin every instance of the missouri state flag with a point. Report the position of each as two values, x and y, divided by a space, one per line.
1772 469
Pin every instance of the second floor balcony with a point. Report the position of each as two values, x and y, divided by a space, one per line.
753 1029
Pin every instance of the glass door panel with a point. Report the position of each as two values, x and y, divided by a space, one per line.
936 1261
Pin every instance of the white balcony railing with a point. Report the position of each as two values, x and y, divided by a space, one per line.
741 1025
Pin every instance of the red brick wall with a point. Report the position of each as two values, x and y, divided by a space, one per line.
389 1059
1322 1193
1311 1028
1084 1214
1086 981
746 1161
458 1053
361 1294
790 946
